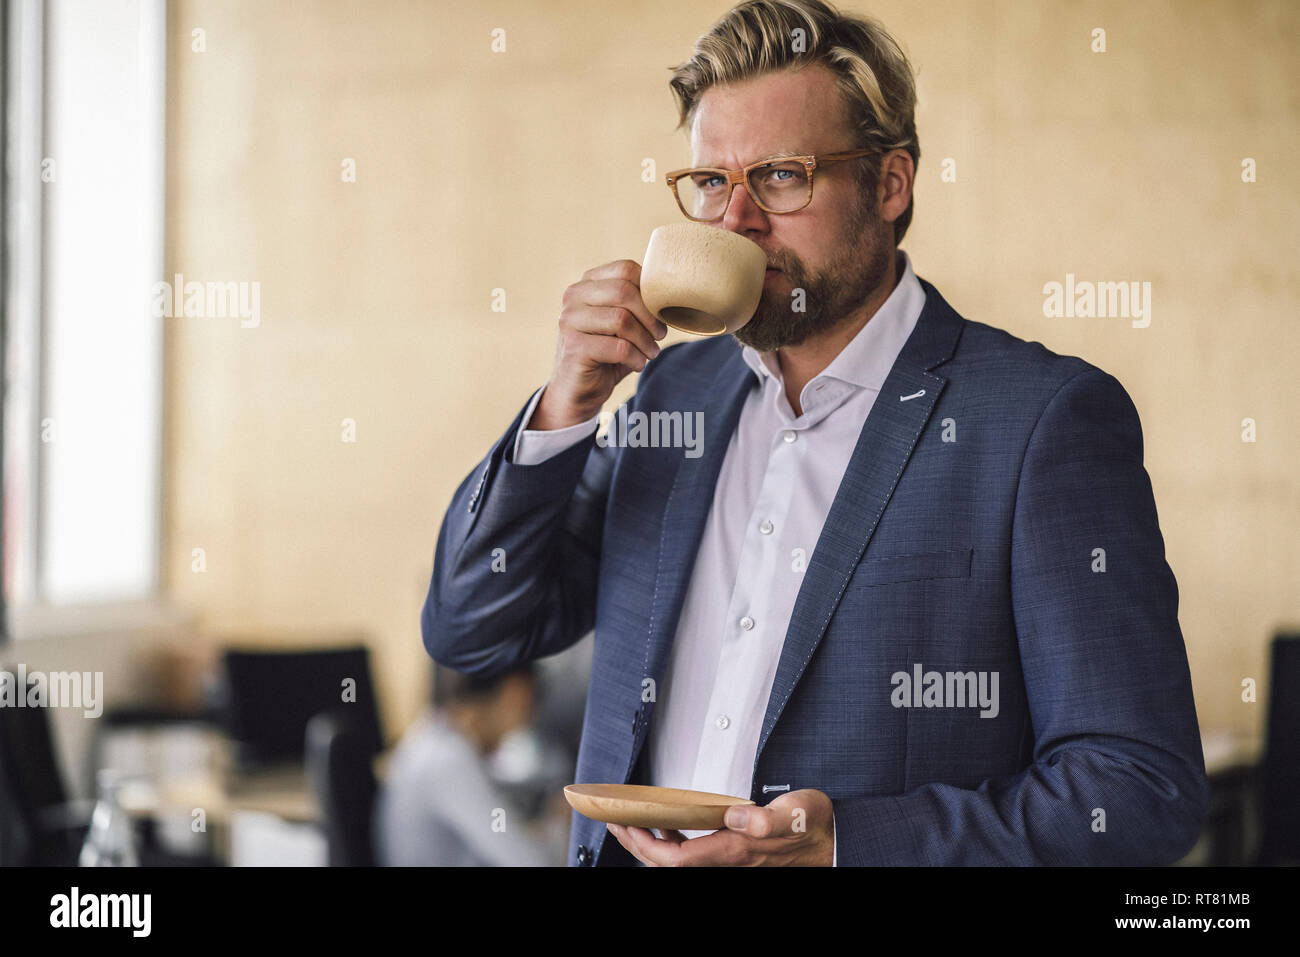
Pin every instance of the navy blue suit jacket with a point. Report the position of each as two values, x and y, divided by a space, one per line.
964 537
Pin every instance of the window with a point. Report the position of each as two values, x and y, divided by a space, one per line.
83 213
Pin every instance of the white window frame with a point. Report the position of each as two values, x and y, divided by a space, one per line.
86 89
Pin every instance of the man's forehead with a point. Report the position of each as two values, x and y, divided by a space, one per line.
743 143
776 114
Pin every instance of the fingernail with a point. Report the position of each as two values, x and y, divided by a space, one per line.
656 352
736 818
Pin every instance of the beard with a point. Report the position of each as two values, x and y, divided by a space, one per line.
856 271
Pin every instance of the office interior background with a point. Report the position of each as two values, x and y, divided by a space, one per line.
395 196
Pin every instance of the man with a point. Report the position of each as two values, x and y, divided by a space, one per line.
911 599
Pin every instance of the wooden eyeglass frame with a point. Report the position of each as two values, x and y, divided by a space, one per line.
740 177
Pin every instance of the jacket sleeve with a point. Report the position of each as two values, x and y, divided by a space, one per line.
518 555
1117 775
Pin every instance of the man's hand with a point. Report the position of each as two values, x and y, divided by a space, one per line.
795 830
606 332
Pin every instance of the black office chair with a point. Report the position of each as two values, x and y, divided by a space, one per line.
38 824
1280 771
339 755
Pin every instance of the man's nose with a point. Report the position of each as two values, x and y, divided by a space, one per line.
743 214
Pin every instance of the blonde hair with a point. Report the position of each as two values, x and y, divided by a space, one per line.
871 70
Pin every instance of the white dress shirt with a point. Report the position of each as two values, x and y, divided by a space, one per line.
776 486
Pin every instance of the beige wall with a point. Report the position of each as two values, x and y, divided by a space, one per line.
376 295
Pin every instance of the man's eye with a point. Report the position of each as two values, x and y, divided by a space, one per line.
709 182
781 175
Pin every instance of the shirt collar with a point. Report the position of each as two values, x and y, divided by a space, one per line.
866 360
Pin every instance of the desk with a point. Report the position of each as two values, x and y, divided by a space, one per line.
179 764
284 792
172 805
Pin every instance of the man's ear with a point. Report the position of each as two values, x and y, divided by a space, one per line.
894 187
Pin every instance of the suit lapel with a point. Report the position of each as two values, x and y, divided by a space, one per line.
883 449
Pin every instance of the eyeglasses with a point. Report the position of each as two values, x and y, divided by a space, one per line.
781 185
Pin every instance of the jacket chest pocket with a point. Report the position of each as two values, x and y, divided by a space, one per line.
916 566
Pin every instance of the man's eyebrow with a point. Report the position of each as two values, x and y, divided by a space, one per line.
779 154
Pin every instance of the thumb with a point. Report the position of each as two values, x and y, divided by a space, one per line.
750 819
736 818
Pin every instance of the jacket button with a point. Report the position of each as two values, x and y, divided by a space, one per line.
584 856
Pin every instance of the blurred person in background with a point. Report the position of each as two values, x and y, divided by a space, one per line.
438 804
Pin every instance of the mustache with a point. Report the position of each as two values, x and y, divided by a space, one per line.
783 261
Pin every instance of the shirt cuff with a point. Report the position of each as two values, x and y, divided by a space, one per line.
835 843
535 446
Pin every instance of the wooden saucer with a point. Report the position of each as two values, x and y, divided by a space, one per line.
640 805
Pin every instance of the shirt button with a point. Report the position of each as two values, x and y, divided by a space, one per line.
723 722
747 623
790 435
765 527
